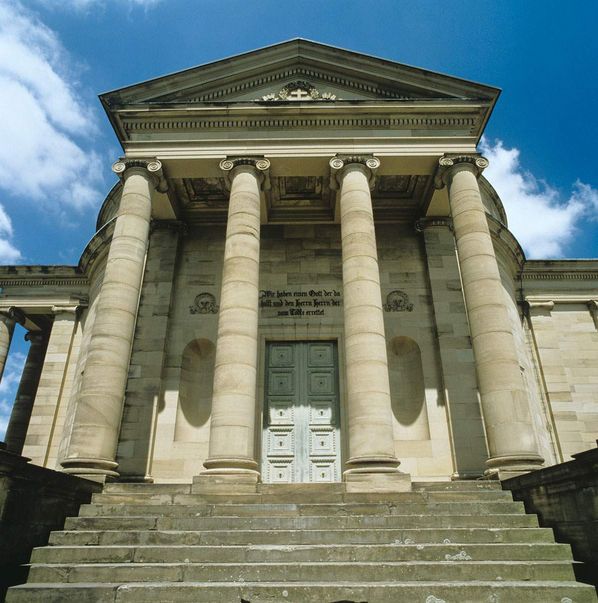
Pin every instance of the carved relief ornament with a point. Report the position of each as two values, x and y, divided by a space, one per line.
299 91
204 303
398 301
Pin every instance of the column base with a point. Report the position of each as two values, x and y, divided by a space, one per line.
221 482
97 470
372 481
135 479
466 475
506 466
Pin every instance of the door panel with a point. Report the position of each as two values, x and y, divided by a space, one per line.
301 414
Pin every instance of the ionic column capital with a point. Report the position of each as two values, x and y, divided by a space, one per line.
340 164
433 222
449 164
150 168
258 166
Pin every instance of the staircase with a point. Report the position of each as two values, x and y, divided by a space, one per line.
444 542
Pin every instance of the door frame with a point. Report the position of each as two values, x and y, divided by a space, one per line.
298 333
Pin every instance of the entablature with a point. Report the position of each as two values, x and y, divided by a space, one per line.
40 292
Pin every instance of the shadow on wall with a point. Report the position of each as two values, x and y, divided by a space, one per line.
407 388
195 390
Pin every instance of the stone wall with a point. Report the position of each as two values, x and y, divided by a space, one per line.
422 440
33 502
539 412
178 437
567 345
166 436
565 498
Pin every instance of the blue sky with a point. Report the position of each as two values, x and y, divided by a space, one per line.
56 56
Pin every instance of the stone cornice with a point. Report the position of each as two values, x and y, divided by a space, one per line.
43 282
550 299
41 276
506 243
554 275
155 123
433 222
109 208
97 245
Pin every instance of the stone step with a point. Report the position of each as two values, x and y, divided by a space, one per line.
302 572
294 489
293 510
162 498
140 488
458 485
326 536
129 522
413 592
268 553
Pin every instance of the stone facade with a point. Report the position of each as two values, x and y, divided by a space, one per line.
295 199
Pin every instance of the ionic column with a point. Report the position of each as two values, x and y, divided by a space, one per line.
232 428
509 429
372 463
92 447
23 405
7 326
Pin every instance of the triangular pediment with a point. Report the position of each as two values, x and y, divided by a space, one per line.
297 70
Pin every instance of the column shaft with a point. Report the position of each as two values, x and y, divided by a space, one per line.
509 429
92 447
232 428
7 326
20 416
371 443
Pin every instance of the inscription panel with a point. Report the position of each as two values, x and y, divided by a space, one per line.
299 303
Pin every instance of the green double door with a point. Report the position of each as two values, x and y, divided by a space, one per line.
301 415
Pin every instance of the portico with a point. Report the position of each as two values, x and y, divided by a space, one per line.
366 436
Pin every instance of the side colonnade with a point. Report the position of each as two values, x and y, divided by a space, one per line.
231 463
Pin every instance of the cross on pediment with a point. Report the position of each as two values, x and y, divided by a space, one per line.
299 94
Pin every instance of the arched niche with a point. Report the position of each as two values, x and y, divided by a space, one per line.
195 392
407 390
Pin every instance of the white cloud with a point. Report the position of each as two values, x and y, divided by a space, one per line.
42 118
87 4
8 253
8 387
542 220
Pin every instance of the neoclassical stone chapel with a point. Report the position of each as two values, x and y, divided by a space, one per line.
302 275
